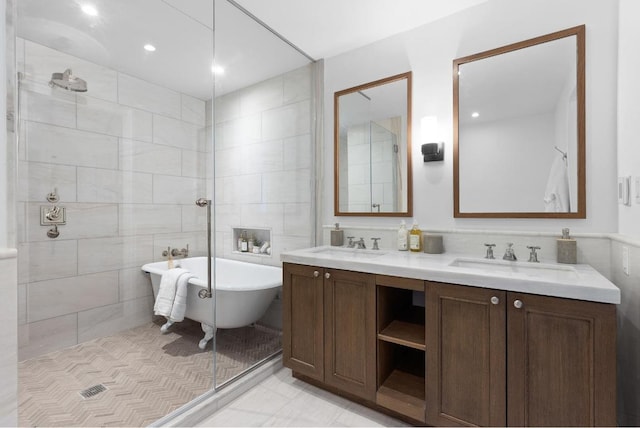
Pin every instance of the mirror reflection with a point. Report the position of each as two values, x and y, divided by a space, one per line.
372 148
519 146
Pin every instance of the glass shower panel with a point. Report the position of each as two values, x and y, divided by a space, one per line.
115 148
264 133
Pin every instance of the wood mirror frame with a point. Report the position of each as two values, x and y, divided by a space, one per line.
407 183
580 188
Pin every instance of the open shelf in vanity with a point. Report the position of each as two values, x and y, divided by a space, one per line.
401 345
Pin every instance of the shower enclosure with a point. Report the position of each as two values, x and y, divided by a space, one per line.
167 103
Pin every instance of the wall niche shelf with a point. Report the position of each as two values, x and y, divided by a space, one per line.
401 345
260 237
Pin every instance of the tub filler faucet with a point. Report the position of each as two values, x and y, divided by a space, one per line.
509 254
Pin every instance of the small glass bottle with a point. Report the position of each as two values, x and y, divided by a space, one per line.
403 237
244 246
415 238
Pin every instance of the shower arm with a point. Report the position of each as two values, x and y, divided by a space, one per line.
207 294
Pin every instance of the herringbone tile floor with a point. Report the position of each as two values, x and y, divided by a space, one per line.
147 374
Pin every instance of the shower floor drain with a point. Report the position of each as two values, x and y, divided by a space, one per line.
94 390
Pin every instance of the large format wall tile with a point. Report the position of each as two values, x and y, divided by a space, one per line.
143 95
39 261
177 190
49 299
8 338
133 284
37 180
148 157
105 117
54 144
106 254
265 96
110 319
287 121
49 335
193 110
113 186
143 219
40 103
176 133
287 186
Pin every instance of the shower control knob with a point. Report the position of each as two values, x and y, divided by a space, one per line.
316 274
495 300
327 275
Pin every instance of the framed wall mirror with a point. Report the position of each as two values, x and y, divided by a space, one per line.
519 129
372 149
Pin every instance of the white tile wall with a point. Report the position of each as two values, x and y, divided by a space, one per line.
147 157
176 133
49 299
146 96
263 163
58 145
9 295
128 159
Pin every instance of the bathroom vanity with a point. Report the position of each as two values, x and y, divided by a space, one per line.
451 340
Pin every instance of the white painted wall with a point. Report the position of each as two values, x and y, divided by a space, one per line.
428 51
629 111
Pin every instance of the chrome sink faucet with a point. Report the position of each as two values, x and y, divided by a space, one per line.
361 245
509 254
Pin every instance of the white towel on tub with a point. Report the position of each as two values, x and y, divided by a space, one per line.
171 301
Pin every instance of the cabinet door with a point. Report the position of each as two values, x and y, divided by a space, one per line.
465 356
561 362
350 332
303 318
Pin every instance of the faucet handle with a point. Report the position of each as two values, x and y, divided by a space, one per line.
533 257
375 243
350 244
489 251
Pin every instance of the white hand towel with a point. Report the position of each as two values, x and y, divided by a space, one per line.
180 302
167 291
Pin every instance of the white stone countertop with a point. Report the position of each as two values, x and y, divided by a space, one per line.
579 281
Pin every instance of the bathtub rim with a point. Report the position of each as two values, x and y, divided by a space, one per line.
157 269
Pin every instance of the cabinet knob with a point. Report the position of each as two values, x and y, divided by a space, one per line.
495 300
517 304
316 274
327 275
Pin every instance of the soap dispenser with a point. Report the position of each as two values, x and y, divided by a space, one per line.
415 238
567 248
337 236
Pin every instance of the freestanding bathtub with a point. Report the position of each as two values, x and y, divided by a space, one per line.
242 292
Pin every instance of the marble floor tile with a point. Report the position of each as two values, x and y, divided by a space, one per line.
282 400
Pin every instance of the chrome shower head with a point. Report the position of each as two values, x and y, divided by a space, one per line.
68 81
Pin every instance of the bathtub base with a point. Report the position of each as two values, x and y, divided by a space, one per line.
209 332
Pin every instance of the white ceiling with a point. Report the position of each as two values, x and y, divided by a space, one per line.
182 32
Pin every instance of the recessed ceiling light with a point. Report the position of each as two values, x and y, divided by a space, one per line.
89 10
216 69
475 114
149 48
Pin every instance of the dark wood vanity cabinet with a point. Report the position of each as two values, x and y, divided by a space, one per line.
303 320
329 328
471 356
466 356
502 358
561 362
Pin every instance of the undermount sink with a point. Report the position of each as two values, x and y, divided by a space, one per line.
348 252
517 268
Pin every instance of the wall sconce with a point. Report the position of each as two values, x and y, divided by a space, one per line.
433 151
